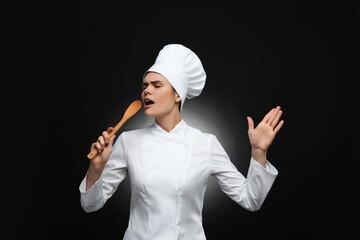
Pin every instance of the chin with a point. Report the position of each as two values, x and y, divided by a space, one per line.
152 113
149 113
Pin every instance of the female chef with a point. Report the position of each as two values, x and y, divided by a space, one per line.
170 163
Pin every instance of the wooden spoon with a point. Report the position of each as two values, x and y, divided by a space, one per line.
130 111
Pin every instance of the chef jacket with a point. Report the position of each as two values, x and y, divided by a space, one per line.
169 172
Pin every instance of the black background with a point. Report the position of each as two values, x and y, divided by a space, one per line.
71 69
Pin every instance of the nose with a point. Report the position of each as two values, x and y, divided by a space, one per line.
147 91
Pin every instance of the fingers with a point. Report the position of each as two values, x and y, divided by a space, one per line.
276 119
105 136
103 140
97 146
112 140
273 118
274 112
278 126
268 115
250 123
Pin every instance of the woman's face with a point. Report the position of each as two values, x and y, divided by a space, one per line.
158 95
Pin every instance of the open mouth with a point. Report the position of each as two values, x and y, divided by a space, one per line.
148 102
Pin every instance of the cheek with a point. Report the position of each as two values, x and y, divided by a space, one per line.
166 99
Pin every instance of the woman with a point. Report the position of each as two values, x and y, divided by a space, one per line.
169 163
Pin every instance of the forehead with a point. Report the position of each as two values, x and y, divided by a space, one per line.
154 76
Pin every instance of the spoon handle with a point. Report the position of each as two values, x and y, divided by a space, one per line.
130 111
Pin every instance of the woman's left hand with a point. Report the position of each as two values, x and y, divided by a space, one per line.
263 135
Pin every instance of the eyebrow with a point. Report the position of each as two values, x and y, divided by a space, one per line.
152 82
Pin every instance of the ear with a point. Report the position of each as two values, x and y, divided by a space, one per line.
178 98
178 101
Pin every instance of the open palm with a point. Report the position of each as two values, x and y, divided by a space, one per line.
263 135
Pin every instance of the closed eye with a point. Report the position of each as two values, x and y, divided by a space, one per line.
156 84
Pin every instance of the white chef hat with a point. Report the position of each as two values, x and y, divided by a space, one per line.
182 68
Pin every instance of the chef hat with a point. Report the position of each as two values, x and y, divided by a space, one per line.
182 68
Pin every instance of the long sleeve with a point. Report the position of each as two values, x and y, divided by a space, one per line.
113 174
248 192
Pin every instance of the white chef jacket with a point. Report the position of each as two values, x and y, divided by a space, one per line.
169 172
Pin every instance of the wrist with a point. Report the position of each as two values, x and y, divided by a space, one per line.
259 155
96 168
94 173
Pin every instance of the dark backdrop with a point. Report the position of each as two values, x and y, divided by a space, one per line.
71 70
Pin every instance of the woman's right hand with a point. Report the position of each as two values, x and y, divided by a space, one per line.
104 147
97 164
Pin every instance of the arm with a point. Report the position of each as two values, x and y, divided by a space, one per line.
248 192
101 181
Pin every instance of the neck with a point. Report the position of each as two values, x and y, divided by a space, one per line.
169 121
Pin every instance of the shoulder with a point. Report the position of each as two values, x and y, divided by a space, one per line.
136 132
198 135
204 138
129 136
